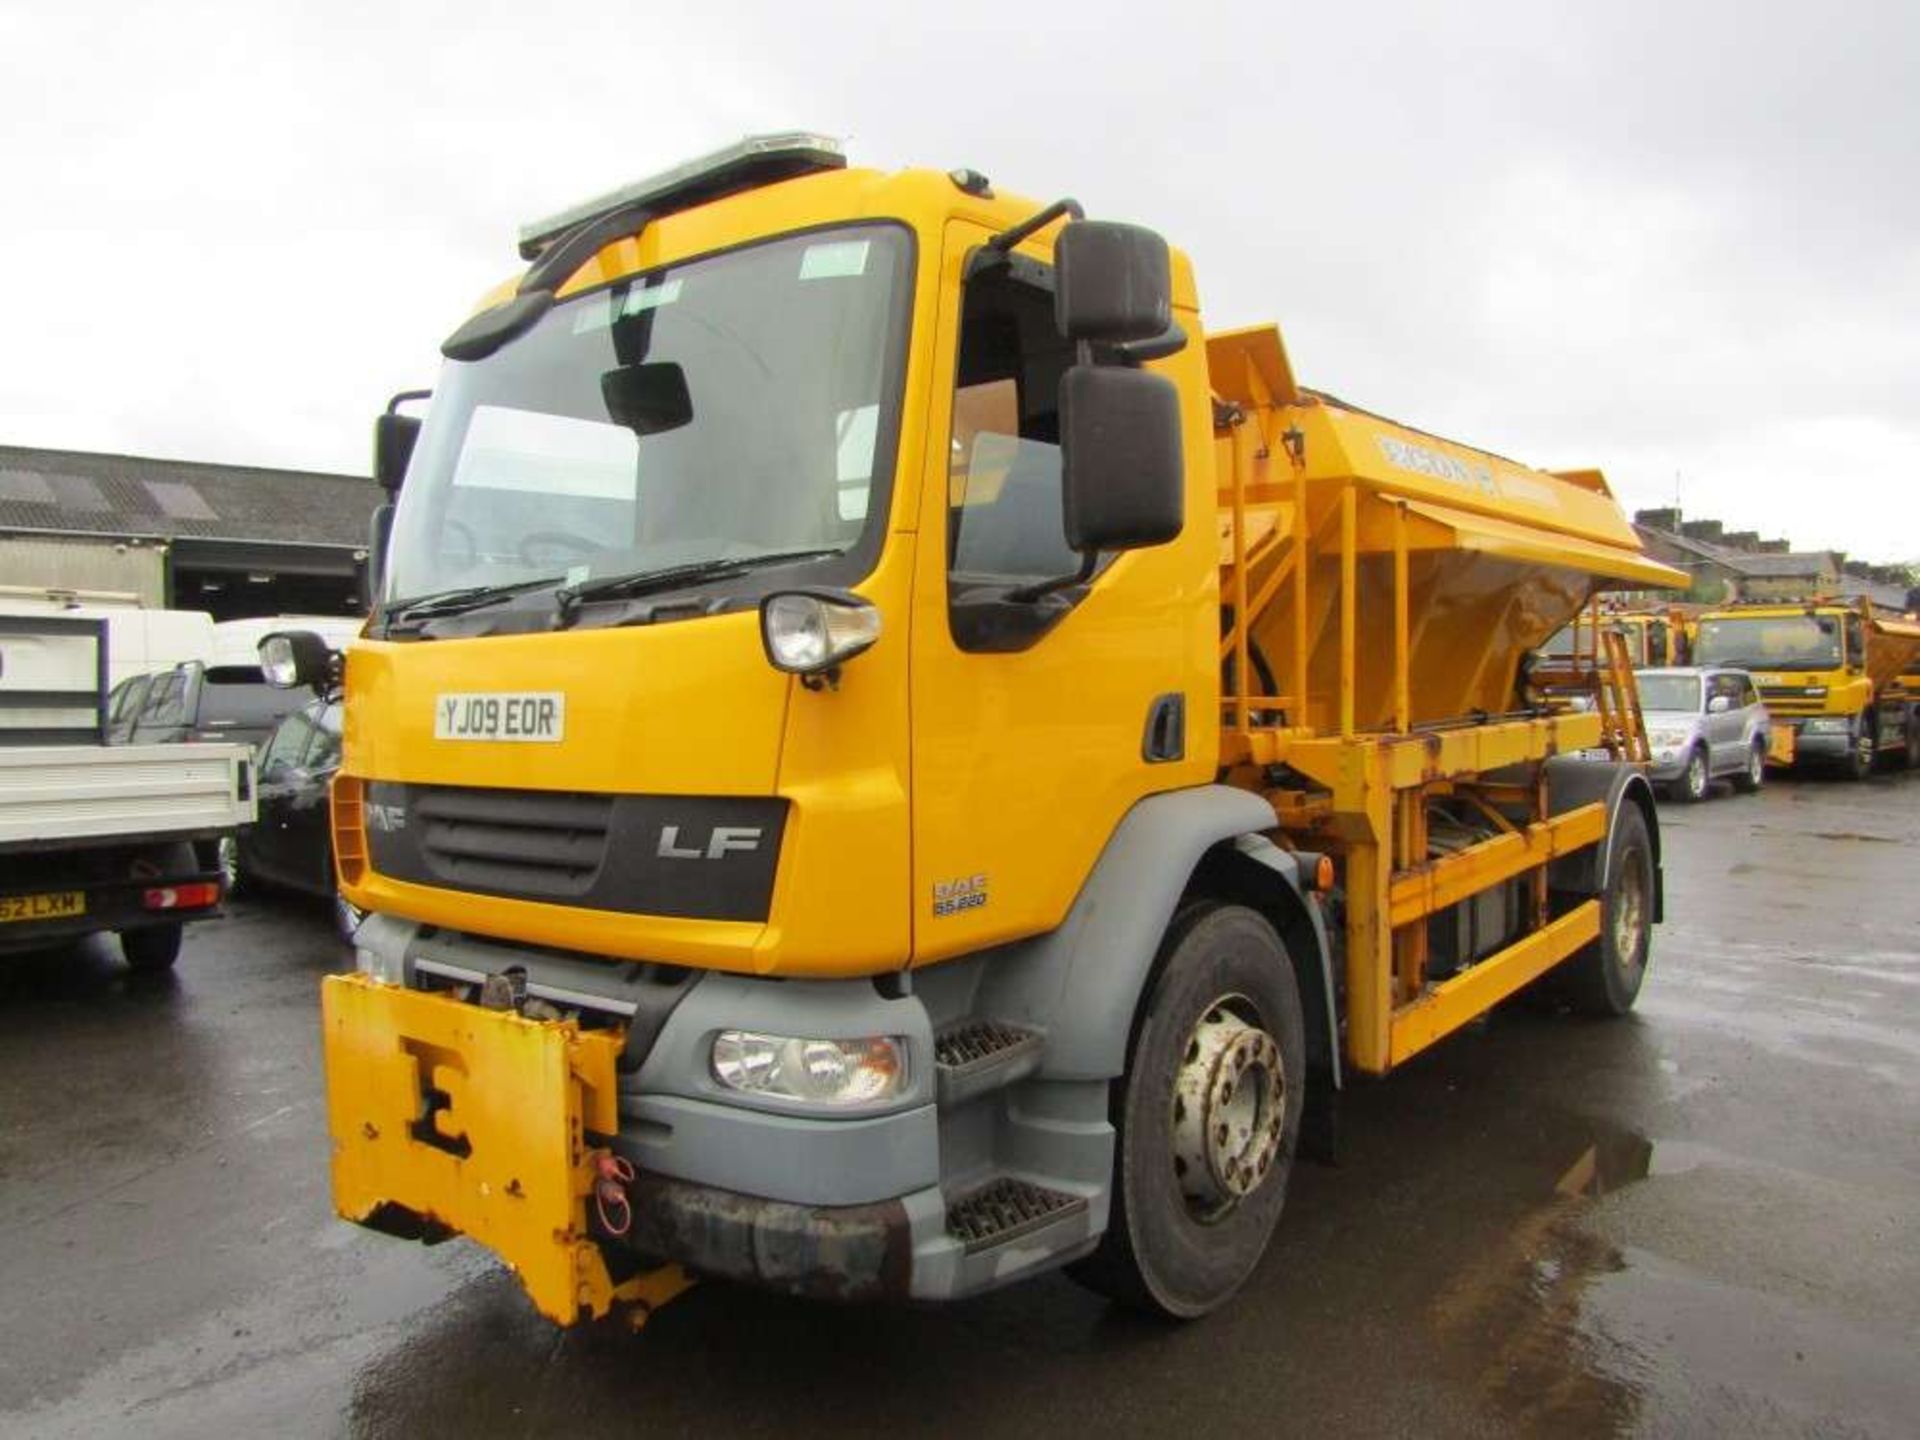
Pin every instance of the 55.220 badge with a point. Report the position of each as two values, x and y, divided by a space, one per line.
950 897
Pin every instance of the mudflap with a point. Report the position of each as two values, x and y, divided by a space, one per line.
476 1121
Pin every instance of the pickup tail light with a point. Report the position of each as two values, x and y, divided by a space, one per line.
196 896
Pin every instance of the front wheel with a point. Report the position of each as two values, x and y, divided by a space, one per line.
1860 752
1913 741
1693 780
1749 780
1207 1118
228 853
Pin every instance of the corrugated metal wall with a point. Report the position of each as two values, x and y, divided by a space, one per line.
85 564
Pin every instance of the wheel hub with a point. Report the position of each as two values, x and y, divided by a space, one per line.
1229 1108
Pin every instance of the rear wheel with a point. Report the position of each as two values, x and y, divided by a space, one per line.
1207 1118
1749 780
152 949
1605 978
1913 740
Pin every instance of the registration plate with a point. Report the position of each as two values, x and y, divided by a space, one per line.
536 716
56 905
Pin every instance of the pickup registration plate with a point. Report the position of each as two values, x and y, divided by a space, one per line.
537 716
56 905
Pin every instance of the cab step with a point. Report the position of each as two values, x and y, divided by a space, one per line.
981 1055
1005 1209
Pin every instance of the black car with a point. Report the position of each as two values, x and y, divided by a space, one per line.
209 702
291 844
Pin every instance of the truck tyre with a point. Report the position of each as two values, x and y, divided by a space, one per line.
1860 751
1749 780
1207 1117
1912 756
1694 779
153 948
1604 978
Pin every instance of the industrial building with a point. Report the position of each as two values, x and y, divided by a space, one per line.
235 541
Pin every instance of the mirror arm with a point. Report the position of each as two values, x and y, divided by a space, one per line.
1027 594
1135 353
1007 239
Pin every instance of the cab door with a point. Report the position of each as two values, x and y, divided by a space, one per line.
1031 714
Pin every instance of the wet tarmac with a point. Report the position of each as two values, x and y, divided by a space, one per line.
1704 1219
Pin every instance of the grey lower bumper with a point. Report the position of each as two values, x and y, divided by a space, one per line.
824 1252
1826 746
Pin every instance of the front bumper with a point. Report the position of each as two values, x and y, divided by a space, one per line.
851 1208
1669 763
1825 745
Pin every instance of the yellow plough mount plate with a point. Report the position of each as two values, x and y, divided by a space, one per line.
477 1119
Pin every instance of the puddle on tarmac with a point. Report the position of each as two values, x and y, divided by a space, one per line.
1516 1310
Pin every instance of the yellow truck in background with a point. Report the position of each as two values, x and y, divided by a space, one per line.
891 760
1656 637
1831 673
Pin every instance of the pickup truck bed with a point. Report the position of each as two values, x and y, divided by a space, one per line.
97 793
96 838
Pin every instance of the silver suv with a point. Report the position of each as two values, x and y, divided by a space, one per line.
1703 722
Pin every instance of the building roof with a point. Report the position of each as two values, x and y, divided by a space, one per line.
1713 554
1760 564
1792 565
1884 597
129 495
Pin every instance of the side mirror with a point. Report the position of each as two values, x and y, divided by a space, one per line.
393 440
293 658
1112 282
1122 483
1719 705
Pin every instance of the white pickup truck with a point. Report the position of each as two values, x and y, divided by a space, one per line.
96 837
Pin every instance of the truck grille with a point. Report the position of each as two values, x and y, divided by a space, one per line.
1794 699
710 857
529 842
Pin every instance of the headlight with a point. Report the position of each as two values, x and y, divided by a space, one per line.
819 1072
810 631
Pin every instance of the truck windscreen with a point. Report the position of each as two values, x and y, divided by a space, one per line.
1769 642
735 406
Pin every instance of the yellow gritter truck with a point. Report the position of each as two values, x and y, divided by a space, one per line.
1830 671
890 760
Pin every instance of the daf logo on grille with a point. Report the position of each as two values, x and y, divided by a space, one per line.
723 840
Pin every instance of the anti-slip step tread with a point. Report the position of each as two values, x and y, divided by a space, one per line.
1006 1209
978 1041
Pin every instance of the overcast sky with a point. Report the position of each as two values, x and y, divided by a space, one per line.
1679 241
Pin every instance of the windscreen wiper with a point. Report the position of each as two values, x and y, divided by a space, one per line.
460 601
647 582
